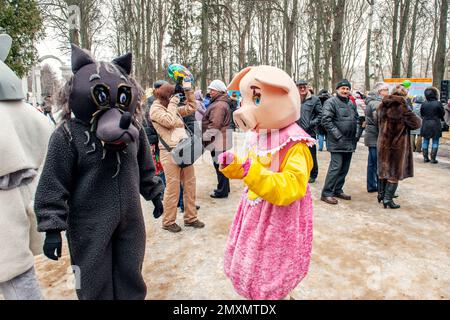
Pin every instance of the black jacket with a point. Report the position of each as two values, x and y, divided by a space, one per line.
371 136
193 125
310 115
431 112
150 131
340 120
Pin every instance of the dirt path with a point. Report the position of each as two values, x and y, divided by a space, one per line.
360 250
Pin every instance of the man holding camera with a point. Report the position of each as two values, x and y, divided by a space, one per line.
166 115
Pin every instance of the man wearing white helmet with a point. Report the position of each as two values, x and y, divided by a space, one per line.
215 122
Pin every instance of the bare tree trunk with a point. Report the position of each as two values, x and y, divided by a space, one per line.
74 36
290 27
409 71
243 36
396 64
433 42
230 57
336 43
268 25
326 47
204 44
84 28
439 60
394 33
316 73
368 44
148 57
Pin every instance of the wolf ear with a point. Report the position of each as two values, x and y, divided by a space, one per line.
80 58
125 62
5 46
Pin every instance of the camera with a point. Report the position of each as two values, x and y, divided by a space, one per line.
179 90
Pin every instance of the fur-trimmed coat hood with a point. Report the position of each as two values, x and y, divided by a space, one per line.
395 120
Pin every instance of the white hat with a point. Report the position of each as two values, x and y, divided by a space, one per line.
218 85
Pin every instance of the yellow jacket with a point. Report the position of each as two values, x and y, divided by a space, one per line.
279 188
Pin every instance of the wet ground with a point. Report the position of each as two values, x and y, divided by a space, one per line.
360 250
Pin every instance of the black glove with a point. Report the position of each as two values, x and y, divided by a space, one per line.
159 209
53 242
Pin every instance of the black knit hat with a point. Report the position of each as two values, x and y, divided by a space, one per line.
343 83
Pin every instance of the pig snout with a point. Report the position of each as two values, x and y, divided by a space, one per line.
244 119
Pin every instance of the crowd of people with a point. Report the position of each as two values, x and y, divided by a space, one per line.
394 126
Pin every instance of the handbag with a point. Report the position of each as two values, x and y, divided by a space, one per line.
187 151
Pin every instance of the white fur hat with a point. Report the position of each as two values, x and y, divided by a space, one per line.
218 85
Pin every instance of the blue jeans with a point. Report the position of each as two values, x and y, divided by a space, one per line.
163 178
372 177
426 143
321 141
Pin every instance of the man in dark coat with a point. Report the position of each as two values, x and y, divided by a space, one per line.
340 120
432 113
395 157
97 166
370 139
216 137
234 100
310 118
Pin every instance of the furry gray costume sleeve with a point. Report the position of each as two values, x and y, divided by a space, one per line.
56 183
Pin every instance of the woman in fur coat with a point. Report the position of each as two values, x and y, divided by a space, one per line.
395 158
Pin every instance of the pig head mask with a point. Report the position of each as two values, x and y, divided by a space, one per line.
270 99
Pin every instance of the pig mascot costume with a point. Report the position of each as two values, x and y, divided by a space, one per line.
269 246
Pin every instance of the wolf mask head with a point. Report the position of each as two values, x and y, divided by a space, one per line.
103 95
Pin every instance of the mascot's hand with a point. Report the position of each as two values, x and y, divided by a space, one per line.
159 209
232 166
225 159
52 243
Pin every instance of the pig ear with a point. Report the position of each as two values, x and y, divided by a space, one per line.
234 85
276 81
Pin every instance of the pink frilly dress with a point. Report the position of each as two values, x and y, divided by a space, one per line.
269 246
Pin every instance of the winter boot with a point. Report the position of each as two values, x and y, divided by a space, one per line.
425 155
434 152
381 189
389 195
413 142
419 144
